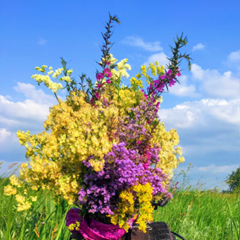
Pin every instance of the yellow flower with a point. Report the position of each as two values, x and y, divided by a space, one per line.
20 199
34 199
144 70
9 190
74 226
66 79
23 207
14 181
69 72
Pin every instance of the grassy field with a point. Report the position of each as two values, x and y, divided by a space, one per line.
194 214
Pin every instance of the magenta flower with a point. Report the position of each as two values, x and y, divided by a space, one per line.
107 72
172 82
97 95
100 76
178 73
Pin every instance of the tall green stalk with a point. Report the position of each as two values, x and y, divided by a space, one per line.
9 220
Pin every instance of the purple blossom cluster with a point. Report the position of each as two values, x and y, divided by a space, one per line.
119 173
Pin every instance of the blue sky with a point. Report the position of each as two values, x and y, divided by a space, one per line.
204 108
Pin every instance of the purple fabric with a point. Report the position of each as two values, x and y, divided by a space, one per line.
95 230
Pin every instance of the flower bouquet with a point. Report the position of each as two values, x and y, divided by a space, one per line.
104 148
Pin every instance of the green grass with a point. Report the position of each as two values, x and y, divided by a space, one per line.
45 221
194 214
203 215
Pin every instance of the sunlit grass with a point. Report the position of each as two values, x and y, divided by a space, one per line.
193 213
203 215
45 220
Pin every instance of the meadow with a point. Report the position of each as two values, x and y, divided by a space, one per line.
193 213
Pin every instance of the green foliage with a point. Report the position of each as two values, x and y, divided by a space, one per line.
233 181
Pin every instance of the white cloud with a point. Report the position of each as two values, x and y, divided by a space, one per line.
28 109
138 42
197 71
4 134
202 114
205 127
28 114
34 108
8 140
199 46
30 92
160 57
183 89
234 57
216 84
42 41
227 169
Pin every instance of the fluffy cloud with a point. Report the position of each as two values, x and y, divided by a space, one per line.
234 57
202 113
138 42
199 46
208 129
34 108
160 57
183 89
37 95
215 84
28 114
3 134
27 109
8 140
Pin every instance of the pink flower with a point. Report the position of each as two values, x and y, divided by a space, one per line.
178 73
97 95
107 73
169 73
99 85
100 76
108 81
146 165
172 82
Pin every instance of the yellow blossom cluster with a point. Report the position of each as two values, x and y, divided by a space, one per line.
74 226
155 69
121 70
46 79
73 131
170 155
23 202
137 81
144 196
125 210
127 207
